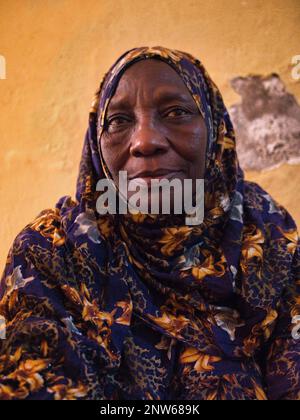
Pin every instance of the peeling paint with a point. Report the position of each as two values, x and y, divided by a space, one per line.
267 122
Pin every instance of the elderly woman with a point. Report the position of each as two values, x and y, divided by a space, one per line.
144 306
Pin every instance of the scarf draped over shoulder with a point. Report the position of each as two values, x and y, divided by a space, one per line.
140 307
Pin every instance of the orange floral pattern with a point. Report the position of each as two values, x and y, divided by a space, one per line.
142 306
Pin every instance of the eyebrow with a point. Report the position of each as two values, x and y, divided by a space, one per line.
173 96
120 104
161 98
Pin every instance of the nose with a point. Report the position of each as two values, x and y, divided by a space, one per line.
148 140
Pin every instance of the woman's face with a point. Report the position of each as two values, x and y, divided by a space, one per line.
153 128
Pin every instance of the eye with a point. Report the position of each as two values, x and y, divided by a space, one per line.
177 112
116 123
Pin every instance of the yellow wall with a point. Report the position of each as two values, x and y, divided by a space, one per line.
57 50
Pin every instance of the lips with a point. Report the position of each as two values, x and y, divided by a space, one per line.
159 174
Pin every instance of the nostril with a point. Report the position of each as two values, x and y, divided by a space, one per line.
148 145
161 151
136 153
142 152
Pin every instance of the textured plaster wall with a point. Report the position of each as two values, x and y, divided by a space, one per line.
267 123
56 51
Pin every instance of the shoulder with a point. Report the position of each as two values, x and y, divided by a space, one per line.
36 252
44 231
61 244
270 228
262 206
47 230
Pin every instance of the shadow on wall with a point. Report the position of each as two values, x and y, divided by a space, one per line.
267 122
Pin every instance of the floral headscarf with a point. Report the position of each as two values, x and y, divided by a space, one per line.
141 307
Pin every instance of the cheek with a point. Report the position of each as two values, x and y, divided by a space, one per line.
191 144
114 155
193 150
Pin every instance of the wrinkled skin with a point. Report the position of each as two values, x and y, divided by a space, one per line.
153 128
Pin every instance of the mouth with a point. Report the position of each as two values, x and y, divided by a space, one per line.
168 174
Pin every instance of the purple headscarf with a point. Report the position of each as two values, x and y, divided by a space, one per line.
110 307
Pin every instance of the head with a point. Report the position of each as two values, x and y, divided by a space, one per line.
153 127
157 114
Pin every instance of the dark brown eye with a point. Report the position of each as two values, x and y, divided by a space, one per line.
116 123
177 112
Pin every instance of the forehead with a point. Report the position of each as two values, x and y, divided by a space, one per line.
158 68
151 76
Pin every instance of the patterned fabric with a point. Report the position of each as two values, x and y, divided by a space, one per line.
144 307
